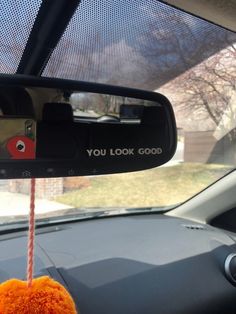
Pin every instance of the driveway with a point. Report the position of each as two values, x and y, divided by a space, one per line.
14 204
178 156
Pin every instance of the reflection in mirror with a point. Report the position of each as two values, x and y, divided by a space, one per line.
91 105
17 138
63 131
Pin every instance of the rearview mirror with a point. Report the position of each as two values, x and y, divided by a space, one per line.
53 127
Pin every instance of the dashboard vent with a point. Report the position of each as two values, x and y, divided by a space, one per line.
194 227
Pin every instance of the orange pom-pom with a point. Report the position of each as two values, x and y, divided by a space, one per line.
45 296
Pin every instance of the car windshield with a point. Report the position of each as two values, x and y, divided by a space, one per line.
147 45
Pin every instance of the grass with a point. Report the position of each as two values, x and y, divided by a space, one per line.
162 186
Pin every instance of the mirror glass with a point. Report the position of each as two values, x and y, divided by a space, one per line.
64 131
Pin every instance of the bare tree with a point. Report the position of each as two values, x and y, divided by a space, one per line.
196 62
210 86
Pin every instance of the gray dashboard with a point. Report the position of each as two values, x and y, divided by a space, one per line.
135 264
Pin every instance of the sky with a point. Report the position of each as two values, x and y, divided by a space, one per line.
109 41
16 21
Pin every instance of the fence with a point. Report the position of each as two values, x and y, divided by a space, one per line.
202 146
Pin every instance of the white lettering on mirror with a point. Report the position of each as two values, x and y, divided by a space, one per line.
124 151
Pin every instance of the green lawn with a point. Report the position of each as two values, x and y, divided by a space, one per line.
156 187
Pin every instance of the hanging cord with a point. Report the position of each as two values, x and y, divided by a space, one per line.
30 266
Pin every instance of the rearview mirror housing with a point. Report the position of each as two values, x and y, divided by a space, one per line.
58 128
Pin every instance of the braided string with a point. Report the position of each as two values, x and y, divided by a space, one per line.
30 266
